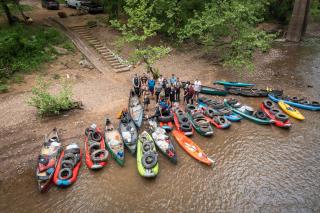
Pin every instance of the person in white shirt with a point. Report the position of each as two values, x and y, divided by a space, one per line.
197 87
160 80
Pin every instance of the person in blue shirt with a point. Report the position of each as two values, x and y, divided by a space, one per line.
151 84
173 80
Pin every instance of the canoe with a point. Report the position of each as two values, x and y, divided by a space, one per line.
280 121
182 122
290 110
206 102
251 92
48 160
233 84
129 132
191 148
114 142
211 90
68 166
219 121
294 104
163 141
247 116
147 157
95 149
135 109
198 121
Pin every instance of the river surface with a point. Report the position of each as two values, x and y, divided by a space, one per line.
258 168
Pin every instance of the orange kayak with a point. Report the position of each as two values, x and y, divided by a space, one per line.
191 148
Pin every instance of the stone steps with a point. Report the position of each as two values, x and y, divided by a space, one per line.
116 62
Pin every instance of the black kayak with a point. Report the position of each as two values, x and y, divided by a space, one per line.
252 92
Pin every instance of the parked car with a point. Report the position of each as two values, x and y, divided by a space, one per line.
75 3
91 7
50 4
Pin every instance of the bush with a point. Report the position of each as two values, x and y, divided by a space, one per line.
49 104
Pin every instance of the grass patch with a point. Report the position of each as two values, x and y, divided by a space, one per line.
68 45
14 9
25 48
3 88
17 78
52 104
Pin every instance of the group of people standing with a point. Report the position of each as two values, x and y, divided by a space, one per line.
165 90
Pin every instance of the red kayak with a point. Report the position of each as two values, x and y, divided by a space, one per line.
182 123
68 166
219 121
48 160
95 148
275 114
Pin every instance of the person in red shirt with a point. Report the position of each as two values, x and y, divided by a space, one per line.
190 94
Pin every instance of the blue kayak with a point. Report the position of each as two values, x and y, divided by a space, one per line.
294 104
233 84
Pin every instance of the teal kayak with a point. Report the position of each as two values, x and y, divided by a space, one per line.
247 116
213 91
233 84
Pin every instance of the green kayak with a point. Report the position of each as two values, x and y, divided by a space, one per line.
147 157
213 91
263 120
210 90
198 121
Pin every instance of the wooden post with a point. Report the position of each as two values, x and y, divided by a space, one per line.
299 20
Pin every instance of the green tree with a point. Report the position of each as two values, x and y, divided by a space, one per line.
228 27
5 8
140 27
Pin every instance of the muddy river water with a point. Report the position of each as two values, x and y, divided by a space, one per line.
258 168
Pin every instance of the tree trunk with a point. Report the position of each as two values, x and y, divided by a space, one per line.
17 2
299 20
7 12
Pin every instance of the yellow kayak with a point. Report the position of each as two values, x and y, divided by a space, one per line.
291 111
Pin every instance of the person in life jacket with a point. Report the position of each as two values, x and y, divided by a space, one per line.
144 82
164 106
136 84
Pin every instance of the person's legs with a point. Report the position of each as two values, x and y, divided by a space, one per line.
157 97
178 96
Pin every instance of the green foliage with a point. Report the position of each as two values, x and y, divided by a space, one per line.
141 26
68 45
14 9
228 27
3 87
315 9
25 48
49 104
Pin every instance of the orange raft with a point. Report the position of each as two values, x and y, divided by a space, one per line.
191 148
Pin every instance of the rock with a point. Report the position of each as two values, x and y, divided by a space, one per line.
62 14
60 50
86 64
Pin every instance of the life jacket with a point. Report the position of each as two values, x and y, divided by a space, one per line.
136 81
